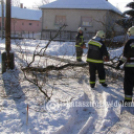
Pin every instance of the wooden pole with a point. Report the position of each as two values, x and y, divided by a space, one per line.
8 31
8 56
2 23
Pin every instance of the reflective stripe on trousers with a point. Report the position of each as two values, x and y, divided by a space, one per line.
102 81
128 97
94 60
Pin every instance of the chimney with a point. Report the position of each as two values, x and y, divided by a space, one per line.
21 5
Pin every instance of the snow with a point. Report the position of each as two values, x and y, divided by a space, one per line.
81 4
73 109
26 14
116 53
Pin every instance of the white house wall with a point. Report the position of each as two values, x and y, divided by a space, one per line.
73 18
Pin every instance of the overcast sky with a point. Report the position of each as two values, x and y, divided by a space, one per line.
120 4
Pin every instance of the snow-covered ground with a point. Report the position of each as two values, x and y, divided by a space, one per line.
73 108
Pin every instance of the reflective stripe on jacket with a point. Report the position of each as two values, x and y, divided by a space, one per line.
79 40
96 51
128 53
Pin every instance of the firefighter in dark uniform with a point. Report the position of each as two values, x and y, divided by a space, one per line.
128 59
97 52
79 44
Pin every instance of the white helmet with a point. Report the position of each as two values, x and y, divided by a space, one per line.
130 31
80 29
100 34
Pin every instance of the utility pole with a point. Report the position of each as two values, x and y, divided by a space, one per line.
2 23
8 56
8 27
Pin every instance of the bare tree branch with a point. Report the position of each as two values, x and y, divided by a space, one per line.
52 38
36 83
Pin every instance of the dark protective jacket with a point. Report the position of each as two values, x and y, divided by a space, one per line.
79 40
128 53
128 58
96 51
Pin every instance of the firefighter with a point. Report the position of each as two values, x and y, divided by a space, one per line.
128 59
97 52
79 44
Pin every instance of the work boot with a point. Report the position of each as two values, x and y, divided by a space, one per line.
104 84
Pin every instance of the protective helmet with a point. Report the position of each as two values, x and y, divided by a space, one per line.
100 34
80 29
130 31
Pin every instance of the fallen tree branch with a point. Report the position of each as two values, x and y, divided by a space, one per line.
52 67
36 84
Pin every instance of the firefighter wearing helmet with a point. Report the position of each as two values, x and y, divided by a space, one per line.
128 59
79 44
97 54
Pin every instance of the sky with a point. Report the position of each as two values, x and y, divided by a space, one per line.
120 4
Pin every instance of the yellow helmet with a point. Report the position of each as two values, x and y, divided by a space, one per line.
101 34
130 31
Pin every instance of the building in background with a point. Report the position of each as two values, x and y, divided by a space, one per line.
24 20
92 15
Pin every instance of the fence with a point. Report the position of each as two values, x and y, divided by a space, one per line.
64 35
24 35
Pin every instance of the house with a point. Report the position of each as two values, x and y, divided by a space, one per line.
24 20
92 15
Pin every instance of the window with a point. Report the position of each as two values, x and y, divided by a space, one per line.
87 21
60 20
30 23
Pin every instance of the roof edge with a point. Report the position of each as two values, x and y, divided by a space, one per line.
84 9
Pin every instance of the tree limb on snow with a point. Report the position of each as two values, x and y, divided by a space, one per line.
52 67
39 87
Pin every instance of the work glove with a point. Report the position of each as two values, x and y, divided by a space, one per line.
106 58
83 46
